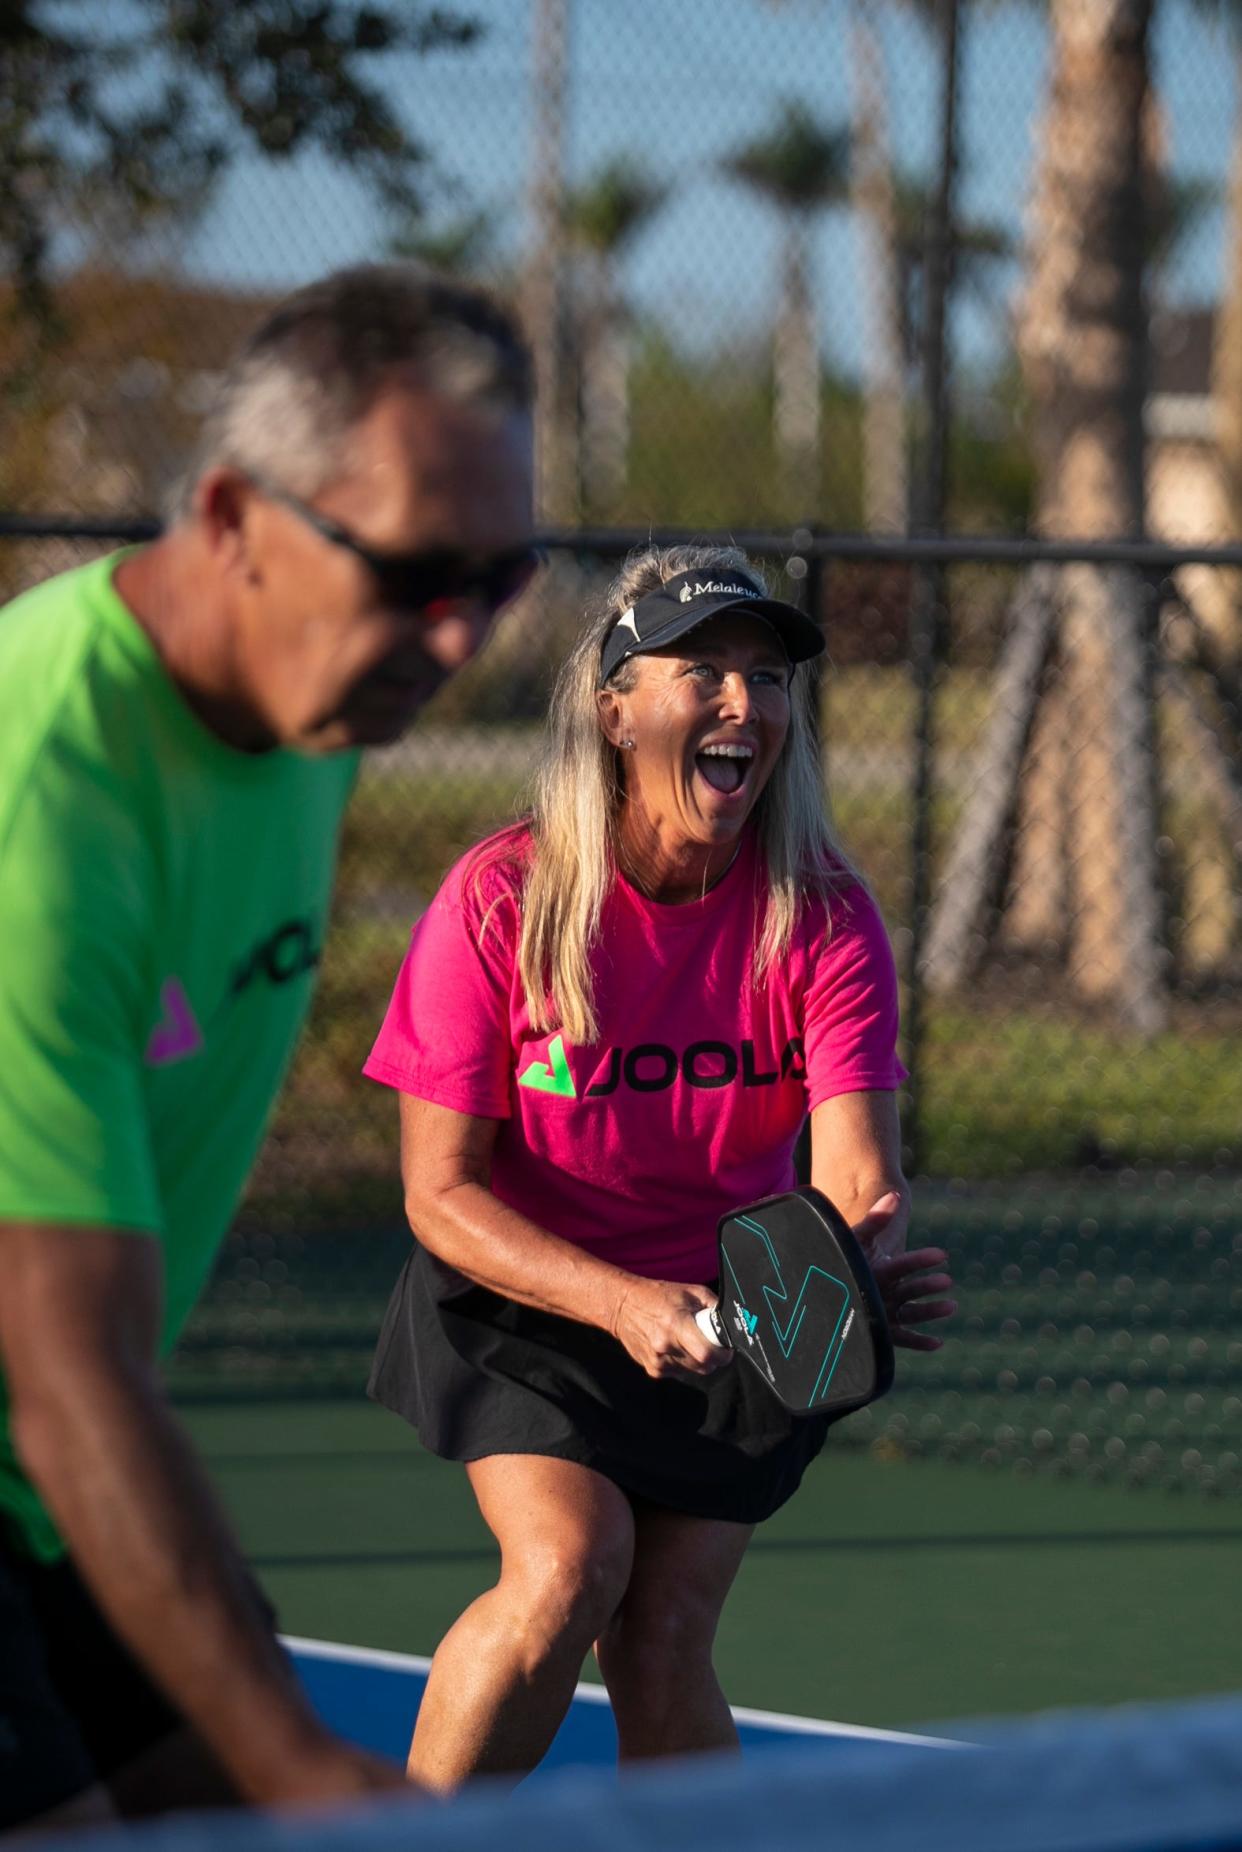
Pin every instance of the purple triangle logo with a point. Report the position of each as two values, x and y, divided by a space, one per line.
176 1034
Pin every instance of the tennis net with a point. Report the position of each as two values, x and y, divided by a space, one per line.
1166 1779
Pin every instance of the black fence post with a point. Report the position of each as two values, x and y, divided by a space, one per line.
926 630
805 568
927 626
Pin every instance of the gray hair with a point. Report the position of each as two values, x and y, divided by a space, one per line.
315 366
581 790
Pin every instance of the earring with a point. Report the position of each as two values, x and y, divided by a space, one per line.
627 745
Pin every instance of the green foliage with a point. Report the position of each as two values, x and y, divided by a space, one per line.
976 247
463 247
991 468
605 213
83 144
701 450
1008 1091
1176 212
800 164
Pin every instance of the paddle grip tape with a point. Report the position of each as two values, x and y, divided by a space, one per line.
708 1322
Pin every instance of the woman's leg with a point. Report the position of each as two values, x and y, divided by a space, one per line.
655 1654
505 1672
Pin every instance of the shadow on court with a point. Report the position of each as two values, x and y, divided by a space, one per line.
784 1546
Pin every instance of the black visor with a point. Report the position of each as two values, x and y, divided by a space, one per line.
688 600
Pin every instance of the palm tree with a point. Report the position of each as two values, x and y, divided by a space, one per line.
1227 359
1083 342
543 290
604 217
1084 877
462 247
885 484
801 167
885 474
976 246
1082 324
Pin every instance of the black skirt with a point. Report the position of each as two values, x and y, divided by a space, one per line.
477 1375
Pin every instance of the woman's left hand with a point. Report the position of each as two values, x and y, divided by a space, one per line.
908 1283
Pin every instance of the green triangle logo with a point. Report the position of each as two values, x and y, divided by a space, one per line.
552 1075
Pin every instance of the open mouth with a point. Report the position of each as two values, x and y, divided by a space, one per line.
725 768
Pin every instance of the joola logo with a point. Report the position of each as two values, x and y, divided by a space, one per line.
291 951
651 1067
746 1322
702 587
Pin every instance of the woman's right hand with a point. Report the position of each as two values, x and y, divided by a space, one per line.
654 1320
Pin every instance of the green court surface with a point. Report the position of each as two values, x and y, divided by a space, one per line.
888 1592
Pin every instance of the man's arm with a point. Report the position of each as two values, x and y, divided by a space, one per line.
79 1318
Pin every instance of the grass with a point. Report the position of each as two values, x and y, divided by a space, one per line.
1007 1091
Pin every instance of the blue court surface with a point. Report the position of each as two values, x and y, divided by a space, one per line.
372 1697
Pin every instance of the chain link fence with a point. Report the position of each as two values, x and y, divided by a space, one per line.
1077 1141
737 229
883 270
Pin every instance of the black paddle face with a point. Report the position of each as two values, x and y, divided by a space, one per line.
798 1301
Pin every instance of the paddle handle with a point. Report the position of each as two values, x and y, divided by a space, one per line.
708 1322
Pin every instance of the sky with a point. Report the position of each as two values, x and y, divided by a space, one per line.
676 86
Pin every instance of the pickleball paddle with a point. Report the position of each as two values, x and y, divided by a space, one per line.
798 1302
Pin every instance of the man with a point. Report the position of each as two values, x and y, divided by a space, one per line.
177 727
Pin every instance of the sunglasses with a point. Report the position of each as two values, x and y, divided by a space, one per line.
430 576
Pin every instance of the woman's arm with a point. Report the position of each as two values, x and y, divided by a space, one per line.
856 1162
446 1172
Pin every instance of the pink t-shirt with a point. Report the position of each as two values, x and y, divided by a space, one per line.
690 1102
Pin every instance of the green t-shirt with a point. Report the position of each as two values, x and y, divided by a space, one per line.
163 901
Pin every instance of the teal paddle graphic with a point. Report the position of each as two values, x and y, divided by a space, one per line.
798 1303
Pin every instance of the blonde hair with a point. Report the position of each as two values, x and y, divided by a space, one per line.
580 791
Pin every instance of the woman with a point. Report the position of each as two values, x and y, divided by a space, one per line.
608 1031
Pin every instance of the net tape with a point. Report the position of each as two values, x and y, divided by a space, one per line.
1137 1779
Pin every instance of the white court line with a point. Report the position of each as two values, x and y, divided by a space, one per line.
595 1694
